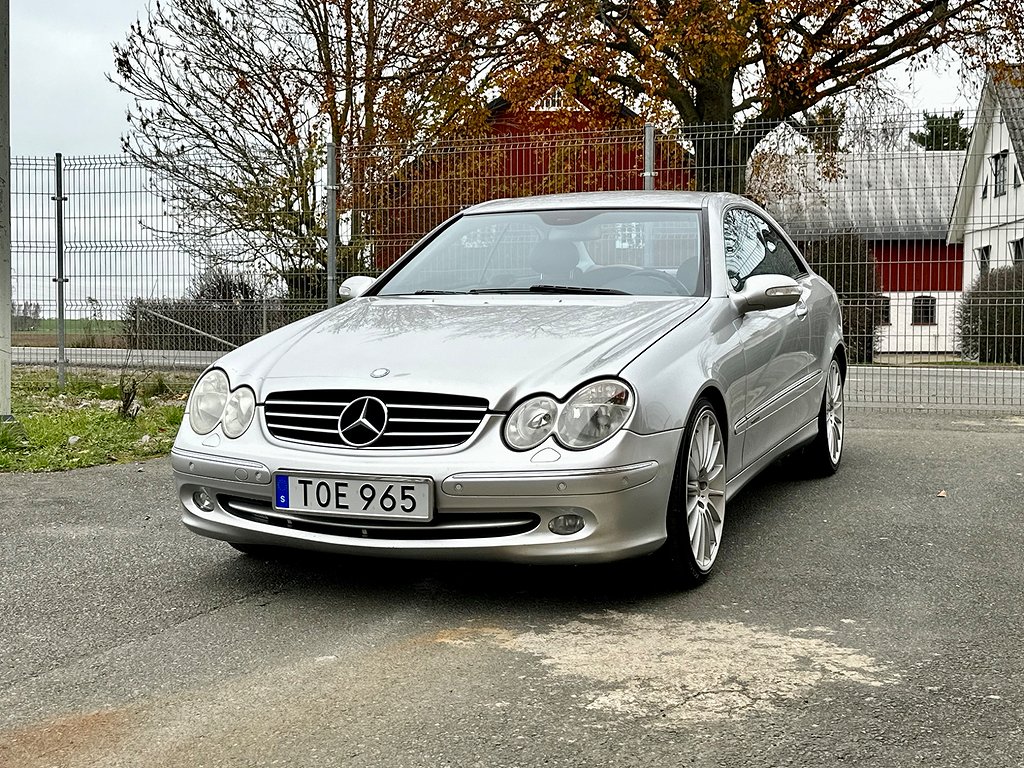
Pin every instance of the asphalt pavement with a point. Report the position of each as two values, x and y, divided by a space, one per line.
870 619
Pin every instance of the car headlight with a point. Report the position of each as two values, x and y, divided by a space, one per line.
238 412
206 406
594 413
591 415
530 424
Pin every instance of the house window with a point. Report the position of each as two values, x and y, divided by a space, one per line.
1017 251
923 310
984 255
999 167
556 100
884 311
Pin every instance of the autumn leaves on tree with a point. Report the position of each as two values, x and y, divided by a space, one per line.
234 100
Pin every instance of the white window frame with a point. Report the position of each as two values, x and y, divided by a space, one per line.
924 301
1016 248
983 253
1000 176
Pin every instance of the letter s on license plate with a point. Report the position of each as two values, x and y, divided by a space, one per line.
389 498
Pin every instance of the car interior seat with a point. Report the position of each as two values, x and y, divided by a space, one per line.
688 273
555 260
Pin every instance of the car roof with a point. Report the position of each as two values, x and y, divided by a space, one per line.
628 199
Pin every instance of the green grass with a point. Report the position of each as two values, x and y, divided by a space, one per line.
81 326
81 427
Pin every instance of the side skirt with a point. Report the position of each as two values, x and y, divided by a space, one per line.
803 435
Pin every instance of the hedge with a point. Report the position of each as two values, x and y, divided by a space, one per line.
990 317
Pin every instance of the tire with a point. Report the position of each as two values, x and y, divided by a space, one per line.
825 453
696 506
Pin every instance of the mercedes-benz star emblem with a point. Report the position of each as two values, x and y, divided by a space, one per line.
362 422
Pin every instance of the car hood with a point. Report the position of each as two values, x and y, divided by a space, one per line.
501 348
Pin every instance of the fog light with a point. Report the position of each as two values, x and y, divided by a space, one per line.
564 525
203 500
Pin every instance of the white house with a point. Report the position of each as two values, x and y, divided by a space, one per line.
988 216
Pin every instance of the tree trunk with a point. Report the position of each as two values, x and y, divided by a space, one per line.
721 149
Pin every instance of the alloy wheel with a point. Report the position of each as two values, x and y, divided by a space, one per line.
834 413
705 489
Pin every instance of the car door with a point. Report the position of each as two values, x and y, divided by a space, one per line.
776 343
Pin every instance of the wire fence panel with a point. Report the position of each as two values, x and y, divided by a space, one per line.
114 250
33 269
398 197
918 222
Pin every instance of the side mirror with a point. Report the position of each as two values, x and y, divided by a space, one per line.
354 286
762 292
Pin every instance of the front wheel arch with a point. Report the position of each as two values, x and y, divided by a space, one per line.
695 509
840 356
714 396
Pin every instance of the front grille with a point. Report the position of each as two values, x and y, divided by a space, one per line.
450 525
415 419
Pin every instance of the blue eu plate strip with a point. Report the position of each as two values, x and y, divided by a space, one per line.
282 492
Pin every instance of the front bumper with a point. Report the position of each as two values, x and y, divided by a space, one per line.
489 503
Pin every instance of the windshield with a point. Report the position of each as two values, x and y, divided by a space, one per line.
638 252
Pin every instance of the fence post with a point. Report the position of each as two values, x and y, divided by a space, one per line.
332 225
60 280
5 213
649 173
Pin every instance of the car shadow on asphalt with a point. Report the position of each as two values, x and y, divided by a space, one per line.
598 585
622 584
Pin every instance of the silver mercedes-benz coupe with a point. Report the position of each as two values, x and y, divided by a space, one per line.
570 378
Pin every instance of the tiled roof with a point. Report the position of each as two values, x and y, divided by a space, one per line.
1011 99
883 195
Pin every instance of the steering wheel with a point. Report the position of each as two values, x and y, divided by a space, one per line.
677 287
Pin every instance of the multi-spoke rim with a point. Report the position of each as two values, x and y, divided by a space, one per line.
834 413
705 489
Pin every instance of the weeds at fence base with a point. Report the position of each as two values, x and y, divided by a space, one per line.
47 420
13 437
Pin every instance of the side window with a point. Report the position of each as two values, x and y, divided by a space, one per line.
752 247
743 250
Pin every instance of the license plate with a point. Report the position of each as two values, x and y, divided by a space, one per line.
389 498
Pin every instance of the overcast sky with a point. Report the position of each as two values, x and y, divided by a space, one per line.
62 102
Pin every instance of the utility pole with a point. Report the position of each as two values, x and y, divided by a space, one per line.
5 210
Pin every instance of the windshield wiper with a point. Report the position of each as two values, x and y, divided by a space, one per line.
427 292
546 288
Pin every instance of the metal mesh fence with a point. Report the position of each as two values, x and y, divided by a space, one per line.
399 196
918 223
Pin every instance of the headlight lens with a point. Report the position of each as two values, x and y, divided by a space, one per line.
594 413
206 405
530 424
238 412
591 415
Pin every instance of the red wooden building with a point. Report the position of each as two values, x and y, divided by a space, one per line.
557 145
